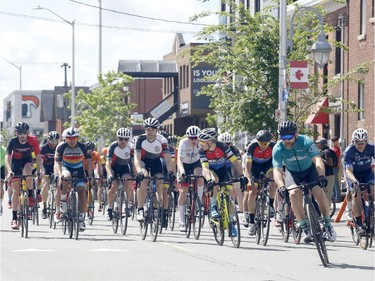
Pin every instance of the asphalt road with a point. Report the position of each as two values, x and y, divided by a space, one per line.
99 254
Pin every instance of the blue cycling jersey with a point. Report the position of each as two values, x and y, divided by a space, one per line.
296 159
359 161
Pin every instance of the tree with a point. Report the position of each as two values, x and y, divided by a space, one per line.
105 109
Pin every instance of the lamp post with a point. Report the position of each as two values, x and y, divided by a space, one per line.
72 24
320 49
19 68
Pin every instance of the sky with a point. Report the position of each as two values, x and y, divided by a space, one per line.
34 43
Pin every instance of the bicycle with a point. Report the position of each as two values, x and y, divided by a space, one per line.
152 207
206 203
120 212
289 224
51 204
365 241
262 210
70 220
313 219
90 204
228 216
134 202
34 210
171 209
104 202
193 211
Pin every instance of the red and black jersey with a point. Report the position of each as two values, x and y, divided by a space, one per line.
217 158
48 154
23 150
256 155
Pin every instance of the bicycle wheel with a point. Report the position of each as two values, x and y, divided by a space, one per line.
353 232
197 217
104 200
115 211
135 204
154 221
286 225
372 225
171 210
71 214
296 229
206 203
51 208
217 229
25 216
143 225
90 207
364 239
188 214
332 208
258 220
76 216
317 235
123 213
235 222
266 220
20 220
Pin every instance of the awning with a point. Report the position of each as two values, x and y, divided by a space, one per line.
319 114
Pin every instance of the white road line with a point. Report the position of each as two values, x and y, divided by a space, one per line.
177 247
33 250
107 250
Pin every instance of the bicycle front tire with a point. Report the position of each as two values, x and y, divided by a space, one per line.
236 240
123 213
197 217
25 216
266 220
317 234
154 220
171 211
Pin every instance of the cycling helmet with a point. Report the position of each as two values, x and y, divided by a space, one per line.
71 132
287 128
104 150
134 140
53 135
225 137
208 134
172 140
360 135
264 136
22 126
192 131
89 145
151 123
123 133
164 133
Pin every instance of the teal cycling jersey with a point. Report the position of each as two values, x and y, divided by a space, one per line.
296 159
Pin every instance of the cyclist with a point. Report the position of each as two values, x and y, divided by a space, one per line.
119 162
302 161
213 156
69 158
47 151
150 148
103 160
236 191
18 161
259 159
2 172
358 157
188 162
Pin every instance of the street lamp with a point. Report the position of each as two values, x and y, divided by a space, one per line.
321 49
19 68
72 24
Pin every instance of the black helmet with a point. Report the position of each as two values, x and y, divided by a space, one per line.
89 145
264 136
151 123
22 126
287 128
53 135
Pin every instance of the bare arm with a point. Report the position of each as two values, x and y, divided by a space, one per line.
278 176
319 165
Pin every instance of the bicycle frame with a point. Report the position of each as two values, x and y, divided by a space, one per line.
193 212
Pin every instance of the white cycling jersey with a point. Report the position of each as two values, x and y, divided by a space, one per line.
189 153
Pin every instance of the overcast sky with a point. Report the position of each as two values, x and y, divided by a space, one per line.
41 42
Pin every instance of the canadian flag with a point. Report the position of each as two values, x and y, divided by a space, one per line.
299 75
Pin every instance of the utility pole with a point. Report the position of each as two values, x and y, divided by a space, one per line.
65 66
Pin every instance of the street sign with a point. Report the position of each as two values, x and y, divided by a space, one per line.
277 115
299 75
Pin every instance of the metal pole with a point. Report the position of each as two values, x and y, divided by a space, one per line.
19 68
282 59
341 21
100 37
73 106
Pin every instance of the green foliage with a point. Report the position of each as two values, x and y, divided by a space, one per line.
105 109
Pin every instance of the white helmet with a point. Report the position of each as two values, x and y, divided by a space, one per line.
151 123
208 134
225 137
192 131
70 132
123 133
360 135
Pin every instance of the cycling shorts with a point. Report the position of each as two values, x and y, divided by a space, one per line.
296 178
18 165
154 166
362 177
189 168
68 172
48 170
256 169
222 174
123 170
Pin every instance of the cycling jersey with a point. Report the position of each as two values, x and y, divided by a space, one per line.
48 156
217 158
257 156
95 159
296 159
152 150
120 156
23 151
359 161
189 153
71 157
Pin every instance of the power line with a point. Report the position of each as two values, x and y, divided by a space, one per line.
138 16
104 26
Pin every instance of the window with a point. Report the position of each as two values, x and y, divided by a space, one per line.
338 52
361 101
257 6
362 24
187 76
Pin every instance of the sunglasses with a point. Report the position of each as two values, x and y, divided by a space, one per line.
202 142
71 138
22 132
193 138
122 139
262 143
360 143
287 137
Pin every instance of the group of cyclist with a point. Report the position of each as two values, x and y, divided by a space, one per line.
202 152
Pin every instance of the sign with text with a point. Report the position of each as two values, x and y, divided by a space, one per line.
201 76
299 75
